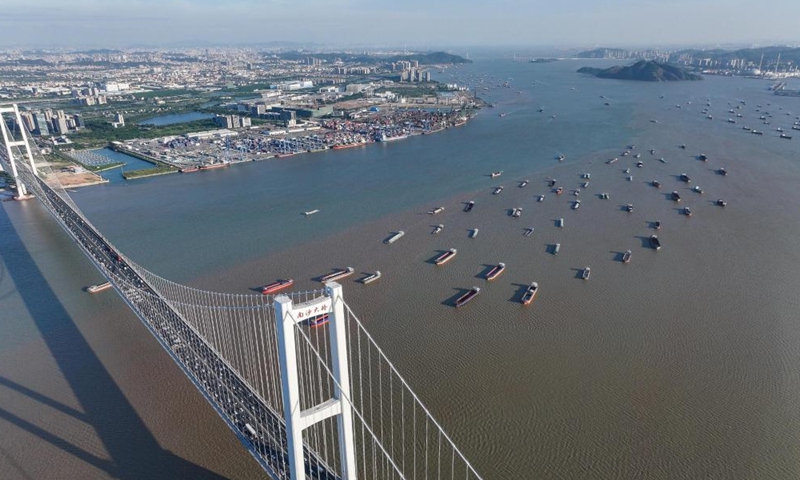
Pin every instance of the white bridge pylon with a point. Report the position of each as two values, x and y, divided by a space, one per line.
9 142
297 420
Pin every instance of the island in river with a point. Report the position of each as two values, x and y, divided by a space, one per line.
643 71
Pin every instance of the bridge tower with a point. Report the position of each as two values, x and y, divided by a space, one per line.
297 420
8 140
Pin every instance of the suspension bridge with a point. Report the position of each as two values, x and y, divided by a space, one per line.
297 377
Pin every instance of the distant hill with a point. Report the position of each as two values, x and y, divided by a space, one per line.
431 58
643 71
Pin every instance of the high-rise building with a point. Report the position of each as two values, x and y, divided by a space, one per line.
60 125
78 121
40 120
118 118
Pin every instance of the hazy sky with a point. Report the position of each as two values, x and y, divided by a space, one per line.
421 23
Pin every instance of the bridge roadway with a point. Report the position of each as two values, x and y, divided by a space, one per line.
232 398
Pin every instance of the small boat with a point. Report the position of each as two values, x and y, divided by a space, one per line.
685 178
310 212
495 271
523 183
556 248
561 158
687 211
656 183
722 172
337 275
495 174
613 160
638 155
629 208
652 151
559 190
99 287
437 229
319 320
576 205
657 225
497 191
277 286
541 198
662 160
586 272
463 299
436 210
675 197
469 206
697 189
445 257
528 232
560 222
394 237
516 212
720 202
371 278
655 243
530 293
626 257
474 233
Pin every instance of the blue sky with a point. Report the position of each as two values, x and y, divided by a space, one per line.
416 23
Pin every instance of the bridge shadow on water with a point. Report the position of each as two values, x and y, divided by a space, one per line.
133 450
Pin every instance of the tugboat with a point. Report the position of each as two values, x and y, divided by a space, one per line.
530 293
496 271
675 196
655 243
371 278
626 257
463 299
586 272
469 206
277 286
497 190
445 257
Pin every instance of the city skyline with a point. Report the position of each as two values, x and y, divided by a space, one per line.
441 24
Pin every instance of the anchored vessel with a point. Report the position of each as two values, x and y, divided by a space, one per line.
685 178
438 229
675 196
524 183
556 248
528 231
474 233
655 242
463 299
720 202
496 271
530 293
576 205
445 257
277 286
516 212
436 210
337 275
99 287
469 206
560 222
496 174
310 212
629 208
626 257
497 190
394 237
371 278
687 212
586 272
